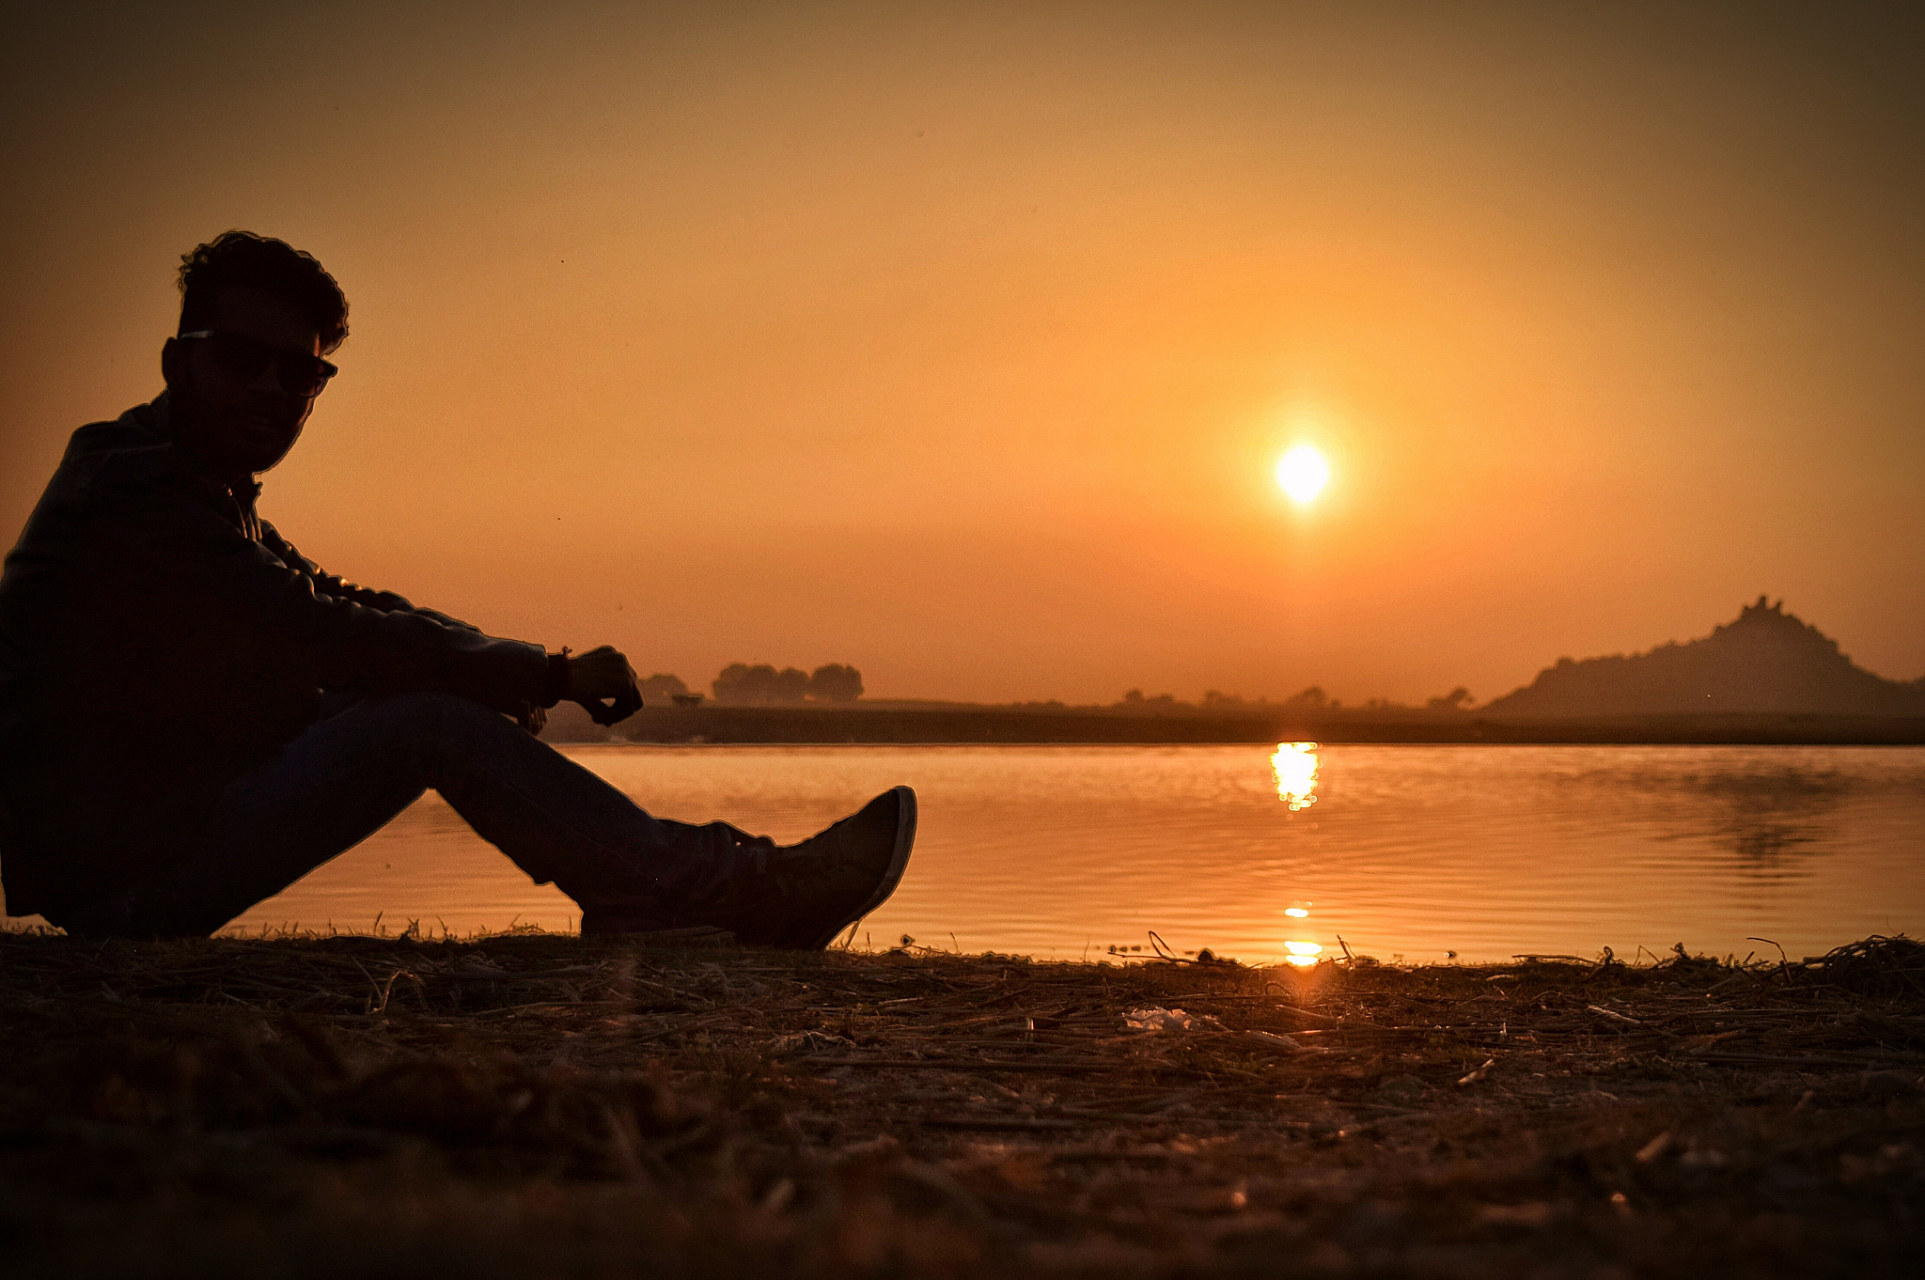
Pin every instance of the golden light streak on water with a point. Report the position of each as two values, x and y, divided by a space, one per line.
1295 768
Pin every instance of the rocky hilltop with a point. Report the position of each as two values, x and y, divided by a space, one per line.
1767 661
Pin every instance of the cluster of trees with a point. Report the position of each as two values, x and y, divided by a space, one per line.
658 689
761 684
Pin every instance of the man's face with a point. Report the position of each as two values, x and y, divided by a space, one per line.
229 402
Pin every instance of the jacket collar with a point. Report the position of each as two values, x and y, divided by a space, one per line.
156 417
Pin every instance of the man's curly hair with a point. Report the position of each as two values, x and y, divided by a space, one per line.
243 260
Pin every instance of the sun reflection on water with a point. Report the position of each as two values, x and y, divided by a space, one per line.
1295 768
1302 953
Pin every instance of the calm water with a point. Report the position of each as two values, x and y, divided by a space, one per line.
1400 851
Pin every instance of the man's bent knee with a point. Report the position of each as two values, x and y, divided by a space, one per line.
437 717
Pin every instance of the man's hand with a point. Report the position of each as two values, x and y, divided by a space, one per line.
604 684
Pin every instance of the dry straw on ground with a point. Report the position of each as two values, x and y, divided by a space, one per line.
522 1105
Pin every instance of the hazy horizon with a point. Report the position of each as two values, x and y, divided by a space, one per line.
958 343
1741 674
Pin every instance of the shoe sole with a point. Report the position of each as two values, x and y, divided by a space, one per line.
898 863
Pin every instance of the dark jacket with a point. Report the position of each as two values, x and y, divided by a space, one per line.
158 639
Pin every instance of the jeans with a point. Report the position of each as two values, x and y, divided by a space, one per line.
351 772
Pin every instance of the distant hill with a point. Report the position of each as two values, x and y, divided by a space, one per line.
1767 661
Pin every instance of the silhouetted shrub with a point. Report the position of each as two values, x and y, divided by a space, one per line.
835 682
741 682
760 684
659 689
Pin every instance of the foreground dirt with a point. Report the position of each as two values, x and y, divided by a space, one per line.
531 1105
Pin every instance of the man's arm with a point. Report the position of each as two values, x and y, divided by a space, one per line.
327 584
346 640
532 716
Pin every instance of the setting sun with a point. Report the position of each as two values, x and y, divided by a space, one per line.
1302 473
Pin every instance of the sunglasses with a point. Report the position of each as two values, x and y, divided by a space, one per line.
244 357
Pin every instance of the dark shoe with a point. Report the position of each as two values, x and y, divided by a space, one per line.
804 895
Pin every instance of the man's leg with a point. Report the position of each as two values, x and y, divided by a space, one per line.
348 775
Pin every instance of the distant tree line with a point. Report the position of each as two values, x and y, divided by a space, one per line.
763 684
1311 699
760 684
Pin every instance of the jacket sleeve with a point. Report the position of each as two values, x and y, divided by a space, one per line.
352 639
327 584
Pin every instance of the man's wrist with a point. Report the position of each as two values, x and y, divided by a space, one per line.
559 681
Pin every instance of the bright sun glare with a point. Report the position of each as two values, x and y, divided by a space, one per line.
1302 473
1295 768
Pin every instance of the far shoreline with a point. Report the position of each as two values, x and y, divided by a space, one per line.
906 724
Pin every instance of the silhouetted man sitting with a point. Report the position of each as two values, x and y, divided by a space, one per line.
193 716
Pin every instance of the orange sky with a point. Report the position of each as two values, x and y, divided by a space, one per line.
958 342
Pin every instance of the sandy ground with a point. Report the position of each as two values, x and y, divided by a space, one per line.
544 1105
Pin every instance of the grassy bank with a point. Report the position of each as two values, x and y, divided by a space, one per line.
536 1105
903 723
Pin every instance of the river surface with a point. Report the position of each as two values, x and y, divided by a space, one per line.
1262 853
